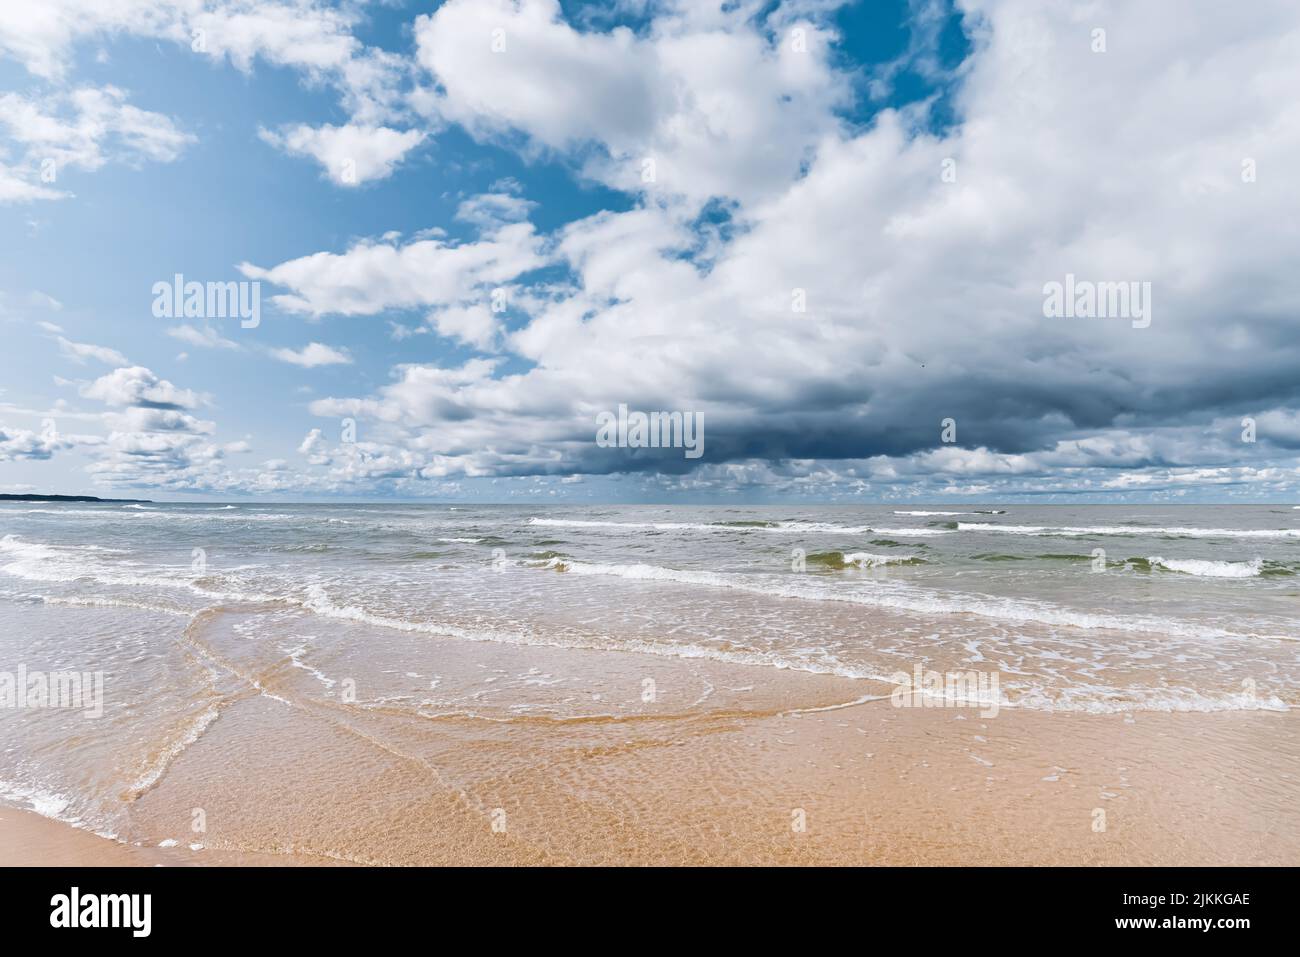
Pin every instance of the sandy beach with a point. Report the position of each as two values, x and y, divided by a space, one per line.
388 685
867 784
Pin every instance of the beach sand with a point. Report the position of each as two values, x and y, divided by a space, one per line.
865 784
357 685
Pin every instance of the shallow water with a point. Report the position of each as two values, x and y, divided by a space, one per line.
377 622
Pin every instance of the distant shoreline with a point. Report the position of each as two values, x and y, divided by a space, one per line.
71 498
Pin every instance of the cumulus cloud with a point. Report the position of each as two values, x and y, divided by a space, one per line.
311 36
313 355
84 128
719 105
350 155
374 276
869 295
154 440
314 38
826 291
138 386
488 211
26 444
474 325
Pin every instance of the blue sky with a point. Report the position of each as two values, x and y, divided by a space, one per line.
382 170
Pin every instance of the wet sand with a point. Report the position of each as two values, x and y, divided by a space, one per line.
865 784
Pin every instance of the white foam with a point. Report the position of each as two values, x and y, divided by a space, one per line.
903 597
1089 700
295 658
43 802
868 560
99 601
1210 569
815 527
778 527
68 563
192 732
661 526
1136 530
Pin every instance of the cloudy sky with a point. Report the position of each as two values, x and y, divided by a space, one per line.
823 228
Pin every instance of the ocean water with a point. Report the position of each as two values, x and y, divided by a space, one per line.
349 615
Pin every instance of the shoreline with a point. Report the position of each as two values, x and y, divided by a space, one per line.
30 839
867 784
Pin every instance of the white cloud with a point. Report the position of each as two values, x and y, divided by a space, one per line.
25 444
350 155
313 355
20 187
474 325
204 338
311 37
374 276
138 386
43 300
40 35
84 128
722 107
81 351
924 296
138 419
489 211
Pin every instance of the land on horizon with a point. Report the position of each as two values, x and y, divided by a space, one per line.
7 497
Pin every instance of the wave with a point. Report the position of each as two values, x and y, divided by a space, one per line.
43 802
1209 569
68 563
98 601
860 559
320 603
786 527
898 596
829 529
161 761
584 523
1089 700
62 511
908 598
1072 531
560 562
1049 557
50 804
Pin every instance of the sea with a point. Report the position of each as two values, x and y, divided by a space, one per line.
407 615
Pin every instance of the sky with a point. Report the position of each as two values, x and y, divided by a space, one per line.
828 234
